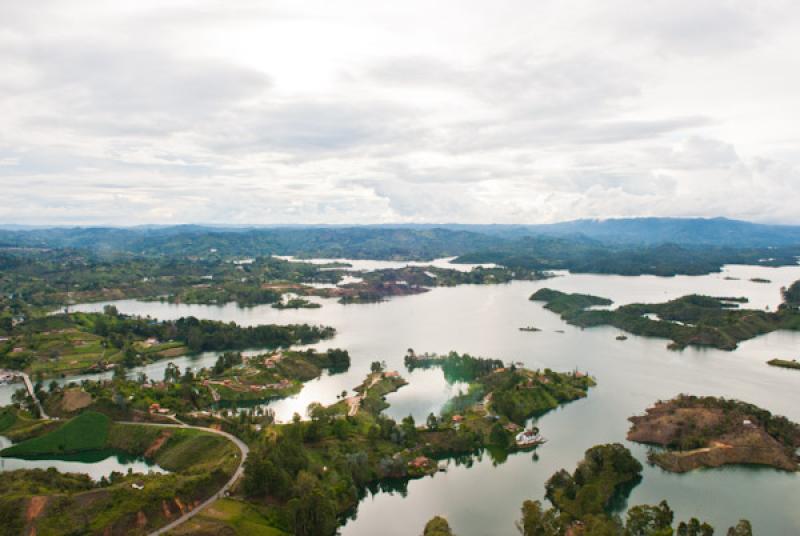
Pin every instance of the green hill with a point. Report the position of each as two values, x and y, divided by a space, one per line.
87 431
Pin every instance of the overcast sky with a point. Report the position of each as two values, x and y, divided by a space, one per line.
363 112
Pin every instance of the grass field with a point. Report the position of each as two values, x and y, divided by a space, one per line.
228 516
8 417
88 431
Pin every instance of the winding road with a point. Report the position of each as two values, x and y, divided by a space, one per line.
243 449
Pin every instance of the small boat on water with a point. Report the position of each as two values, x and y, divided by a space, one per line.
529 328
529 438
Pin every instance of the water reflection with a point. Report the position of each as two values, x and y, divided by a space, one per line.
96 464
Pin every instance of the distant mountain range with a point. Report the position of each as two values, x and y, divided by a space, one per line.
624 231
659 246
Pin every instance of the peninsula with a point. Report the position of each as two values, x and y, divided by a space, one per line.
690 320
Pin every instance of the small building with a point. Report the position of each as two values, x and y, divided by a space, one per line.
137 485
420 462
528 438
391 374
747 422
155 407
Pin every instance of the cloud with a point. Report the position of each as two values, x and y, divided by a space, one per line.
155 112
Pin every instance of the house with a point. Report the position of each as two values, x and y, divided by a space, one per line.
137 485
513 427
391 374
17 350
528 438
420 462
747 422
155 407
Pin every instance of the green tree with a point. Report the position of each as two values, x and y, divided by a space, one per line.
742 528
538 522
695 528
313 511
438 526
432 422
647 520
499 436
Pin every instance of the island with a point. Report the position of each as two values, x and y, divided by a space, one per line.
696 432
784 363
694 320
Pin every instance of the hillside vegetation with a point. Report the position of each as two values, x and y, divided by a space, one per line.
689 320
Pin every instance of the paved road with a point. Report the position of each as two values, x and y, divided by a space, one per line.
243 449
29 386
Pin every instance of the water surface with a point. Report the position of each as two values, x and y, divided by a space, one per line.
485 499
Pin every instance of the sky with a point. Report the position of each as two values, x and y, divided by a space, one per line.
510 111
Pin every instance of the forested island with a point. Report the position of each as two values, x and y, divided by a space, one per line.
710 432
690 320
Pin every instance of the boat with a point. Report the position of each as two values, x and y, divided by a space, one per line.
529 328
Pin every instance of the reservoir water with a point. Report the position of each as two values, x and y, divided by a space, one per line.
485 497
96 464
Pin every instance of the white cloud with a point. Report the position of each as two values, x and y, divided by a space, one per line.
159 112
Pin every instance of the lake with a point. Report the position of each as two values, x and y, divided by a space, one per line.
485 498
96 464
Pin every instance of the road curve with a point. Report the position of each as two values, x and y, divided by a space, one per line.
243 449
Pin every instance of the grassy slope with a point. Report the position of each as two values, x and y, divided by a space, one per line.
229 516
88 431
199 463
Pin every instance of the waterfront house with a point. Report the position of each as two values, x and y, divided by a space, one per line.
420 462
528 438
